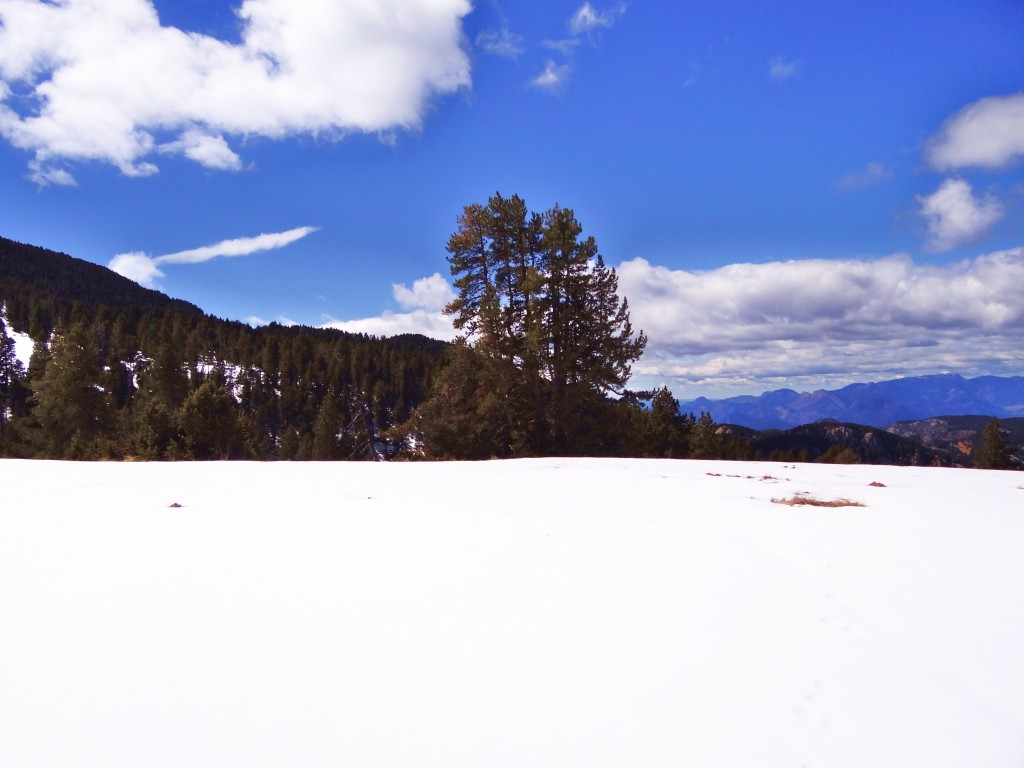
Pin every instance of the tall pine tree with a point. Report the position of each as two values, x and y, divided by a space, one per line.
550 335
71 407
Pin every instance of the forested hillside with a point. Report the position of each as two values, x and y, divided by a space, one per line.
962 438
35 282
123 371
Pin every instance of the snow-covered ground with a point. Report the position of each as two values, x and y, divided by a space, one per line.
529 613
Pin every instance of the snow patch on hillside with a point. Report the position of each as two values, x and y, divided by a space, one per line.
23 344
540 612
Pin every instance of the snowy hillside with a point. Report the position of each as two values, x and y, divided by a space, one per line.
529 613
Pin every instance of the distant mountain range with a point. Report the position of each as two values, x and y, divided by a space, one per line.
878 405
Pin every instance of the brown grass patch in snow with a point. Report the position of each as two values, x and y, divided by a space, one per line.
802 499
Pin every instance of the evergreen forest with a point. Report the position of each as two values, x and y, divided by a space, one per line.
124 372
120 371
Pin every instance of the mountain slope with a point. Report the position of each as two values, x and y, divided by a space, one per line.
165 371
31 270
959 437
843 443
878 404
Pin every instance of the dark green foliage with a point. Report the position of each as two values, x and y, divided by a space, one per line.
548 338
70 409
995 451
326 430
209 422
466 416
833 442
670 431
39 285
164 380
839 454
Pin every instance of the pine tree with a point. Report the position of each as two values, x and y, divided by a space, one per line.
70 405
706 442
465 417
669 435
209 422
995 451
540 309
153 423
325 431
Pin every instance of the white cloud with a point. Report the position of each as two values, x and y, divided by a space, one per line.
45 176
986 134
818 323
431 293
553 77
432 324
500 42
138 267
241 246
109 83
144 269
587 18
955 216
210 151
870 174
782 69
426 300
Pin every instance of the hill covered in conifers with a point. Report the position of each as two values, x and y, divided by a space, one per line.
28 272
124 371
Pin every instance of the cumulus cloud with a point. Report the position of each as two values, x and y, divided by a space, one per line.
955 216
818 323
431 293
986 134
782 69
106 81
137 266
144 269
424 302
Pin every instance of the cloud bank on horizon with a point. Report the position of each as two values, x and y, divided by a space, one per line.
824 323
108 82
424 304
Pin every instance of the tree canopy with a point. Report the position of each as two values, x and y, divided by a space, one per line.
545 336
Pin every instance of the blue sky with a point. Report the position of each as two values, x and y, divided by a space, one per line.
795 194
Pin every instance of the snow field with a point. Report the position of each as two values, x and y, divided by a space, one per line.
537 612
